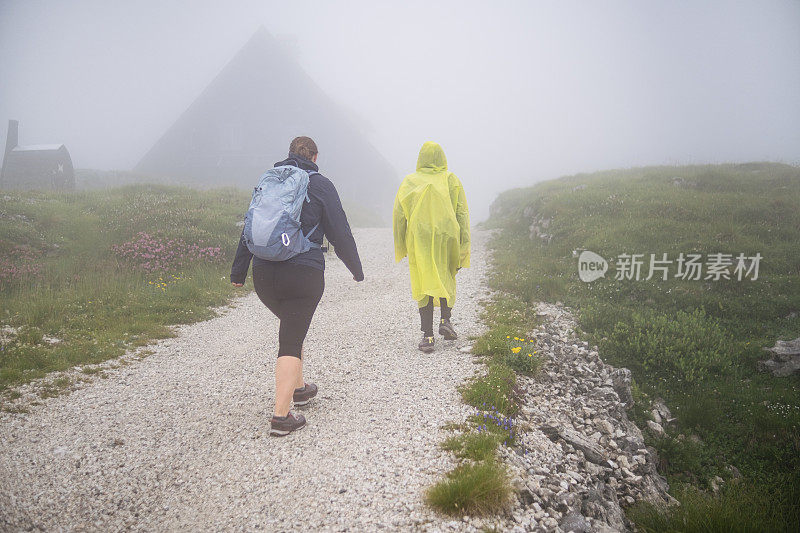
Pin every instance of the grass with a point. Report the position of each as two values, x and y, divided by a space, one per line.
694 343
472 488
87 275
474 446
480 484
495 388
740 507
62 279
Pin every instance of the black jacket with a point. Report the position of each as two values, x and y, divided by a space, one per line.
325 210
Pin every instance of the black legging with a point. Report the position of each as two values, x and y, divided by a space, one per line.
292 293
426 315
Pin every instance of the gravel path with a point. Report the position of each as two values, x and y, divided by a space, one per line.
178 441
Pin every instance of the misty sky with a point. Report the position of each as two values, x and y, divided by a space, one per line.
515 92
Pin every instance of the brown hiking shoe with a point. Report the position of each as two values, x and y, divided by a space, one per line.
304 394
426 344
446 329
280 426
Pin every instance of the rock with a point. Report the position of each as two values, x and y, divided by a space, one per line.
600 527
716 483
621 380
537 229
527 498
781 369
655 427
606 427
584 455
574 522
592 451
785 349
550 523
656 416
607 394
663 411
734 471
602 504
680 182
785 359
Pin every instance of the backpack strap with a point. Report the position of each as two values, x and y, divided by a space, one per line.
311 232
310 173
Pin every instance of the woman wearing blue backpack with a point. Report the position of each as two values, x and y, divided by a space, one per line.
288 264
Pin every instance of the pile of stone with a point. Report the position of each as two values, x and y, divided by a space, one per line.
784 360
580 460
539 225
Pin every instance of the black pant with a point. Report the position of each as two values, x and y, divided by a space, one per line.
292 293
426 315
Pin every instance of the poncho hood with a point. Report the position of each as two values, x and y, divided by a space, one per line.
431 158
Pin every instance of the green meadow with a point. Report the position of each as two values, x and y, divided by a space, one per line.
87 275
692 342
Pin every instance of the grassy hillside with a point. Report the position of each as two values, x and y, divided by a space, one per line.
694 343
86 275
89 179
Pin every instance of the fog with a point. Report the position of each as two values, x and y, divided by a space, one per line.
515 92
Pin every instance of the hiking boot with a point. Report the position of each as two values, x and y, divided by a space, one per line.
446 329
426 344
280 426
304 394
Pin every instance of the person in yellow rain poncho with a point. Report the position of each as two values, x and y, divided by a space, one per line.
431 227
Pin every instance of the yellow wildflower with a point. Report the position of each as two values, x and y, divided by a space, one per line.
517 349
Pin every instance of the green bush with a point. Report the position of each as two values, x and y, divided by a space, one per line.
496 388
740 507
472 489
474 446
494 342
527 363
686 348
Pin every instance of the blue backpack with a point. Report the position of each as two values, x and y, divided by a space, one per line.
272 223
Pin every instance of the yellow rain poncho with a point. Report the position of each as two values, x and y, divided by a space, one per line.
431 227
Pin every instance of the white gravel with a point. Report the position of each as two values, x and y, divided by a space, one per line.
179 440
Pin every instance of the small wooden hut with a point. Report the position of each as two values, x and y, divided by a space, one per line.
38 166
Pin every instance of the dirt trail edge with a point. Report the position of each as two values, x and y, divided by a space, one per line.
179 440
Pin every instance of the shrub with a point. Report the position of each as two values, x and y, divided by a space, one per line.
740 507
472 488
479 446
687 348
153 253
522 356
494 423
495 388
19 264
494 342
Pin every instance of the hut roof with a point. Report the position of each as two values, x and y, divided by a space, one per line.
38 148
244 120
